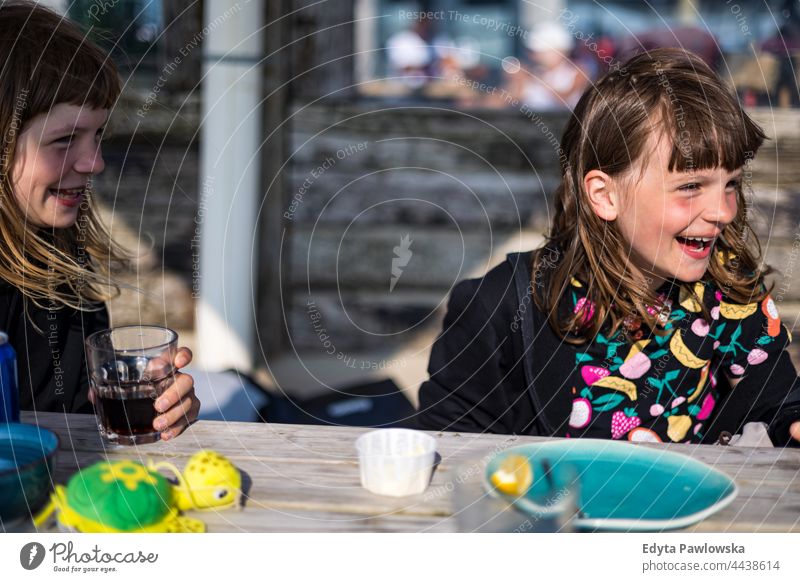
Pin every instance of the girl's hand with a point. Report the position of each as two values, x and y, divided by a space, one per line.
178 404
794 430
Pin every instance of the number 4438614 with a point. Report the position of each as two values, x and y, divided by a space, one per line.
755 565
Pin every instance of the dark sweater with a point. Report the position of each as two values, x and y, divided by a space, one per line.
51 359
499 367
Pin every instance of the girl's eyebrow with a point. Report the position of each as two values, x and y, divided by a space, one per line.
703 178
69 129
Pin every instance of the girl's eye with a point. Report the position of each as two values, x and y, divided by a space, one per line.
734 184
690 187
67 139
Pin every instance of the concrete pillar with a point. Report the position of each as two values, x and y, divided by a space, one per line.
230 181
366 39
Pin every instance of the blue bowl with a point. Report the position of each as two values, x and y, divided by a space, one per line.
27 458
623 486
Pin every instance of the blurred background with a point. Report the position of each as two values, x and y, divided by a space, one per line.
303 182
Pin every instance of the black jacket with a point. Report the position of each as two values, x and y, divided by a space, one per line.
482 377
51 359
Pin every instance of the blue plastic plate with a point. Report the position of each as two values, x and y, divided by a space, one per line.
622 486
27 457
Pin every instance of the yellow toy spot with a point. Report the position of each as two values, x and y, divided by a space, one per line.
129 473
514 475
211 481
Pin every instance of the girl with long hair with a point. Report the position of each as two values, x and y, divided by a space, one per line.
56 91
645 315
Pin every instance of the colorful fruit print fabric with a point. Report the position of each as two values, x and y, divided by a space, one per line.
663 389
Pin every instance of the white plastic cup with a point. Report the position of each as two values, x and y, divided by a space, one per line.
396 461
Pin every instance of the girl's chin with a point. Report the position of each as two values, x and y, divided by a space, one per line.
62 218
691 274
685 273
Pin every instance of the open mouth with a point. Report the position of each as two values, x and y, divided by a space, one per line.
698 247
68 197
68 193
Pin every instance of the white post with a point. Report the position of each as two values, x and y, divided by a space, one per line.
230 182
366 30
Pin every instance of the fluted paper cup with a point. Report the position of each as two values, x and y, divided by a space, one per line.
396 461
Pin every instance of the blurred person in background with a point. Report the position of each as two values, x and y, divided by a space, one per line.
785 46
411 56
551 81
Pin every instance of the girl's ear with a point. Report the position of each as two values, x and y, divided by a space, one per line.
602 197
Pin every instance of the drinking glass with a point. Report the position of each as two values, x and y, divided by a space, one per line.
129 368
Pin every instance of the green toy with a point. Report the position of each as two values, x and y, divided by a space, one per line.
127 497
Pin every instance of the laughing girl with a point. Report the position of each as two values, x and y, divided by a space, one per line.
645 316
56 91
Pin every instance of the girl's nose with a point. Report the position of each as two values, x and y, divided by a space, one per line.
722 207
90 160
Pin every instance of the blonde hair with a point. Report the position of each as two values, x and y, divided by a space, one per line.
48 61
674 92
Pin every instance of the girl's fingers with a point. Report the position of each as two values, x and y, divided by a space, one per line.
177 418
183 357
178 390
179 406
183 422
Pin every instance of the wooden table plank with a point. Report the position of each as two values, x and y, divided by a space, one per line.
306 478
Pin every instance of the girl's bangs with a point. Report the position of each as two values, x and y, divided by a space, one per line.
705 138
85 80
69 68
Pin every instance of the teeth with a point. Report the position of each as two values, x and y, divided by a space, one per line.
68 192
698 238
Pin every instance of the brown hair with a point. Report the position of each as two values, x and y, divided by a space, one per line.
47 60
665 91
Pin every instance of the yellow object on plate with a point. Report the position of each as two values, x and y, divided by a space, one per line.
514 475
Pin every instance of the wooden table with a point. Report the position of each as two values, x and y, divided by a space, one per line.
306 478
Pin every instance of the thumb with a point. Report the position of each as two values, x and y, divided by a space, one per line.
794 430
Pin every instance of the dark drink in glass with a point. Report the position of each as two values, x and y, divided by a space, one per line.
126 410
130 367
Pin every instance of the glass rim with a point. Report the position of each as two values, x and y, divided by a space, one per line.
93 337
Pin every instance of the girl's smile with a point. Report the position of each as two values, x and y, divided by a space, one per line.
696 247
56 155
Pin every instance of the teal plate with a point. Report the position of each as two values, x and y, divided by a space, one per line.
622 486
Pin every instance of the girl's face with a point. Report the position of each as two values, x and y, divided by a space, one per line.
57 153
661 209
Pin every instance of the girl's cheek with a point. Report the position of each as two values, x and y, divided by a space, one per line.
52 163
680 210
